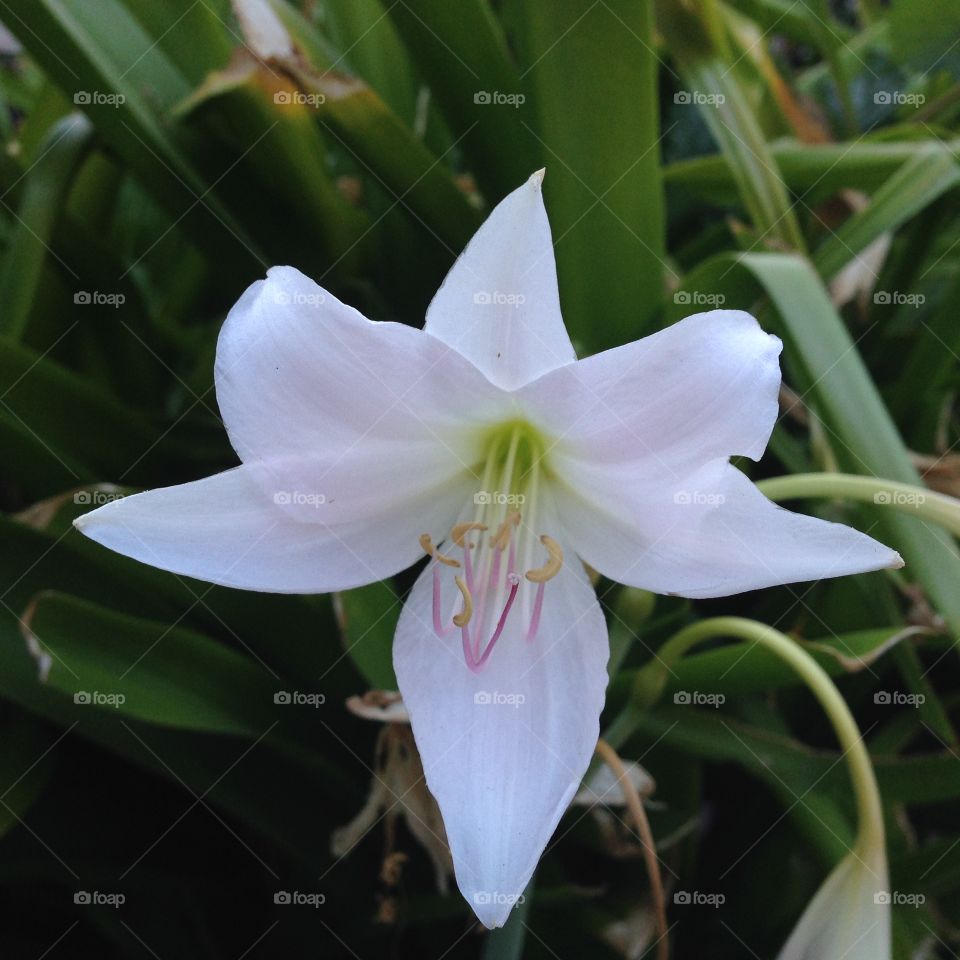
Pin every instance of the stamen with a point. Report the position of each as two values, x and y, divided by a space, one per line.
476 663
502 537
426 542
552 567
460 529
535 616
463 617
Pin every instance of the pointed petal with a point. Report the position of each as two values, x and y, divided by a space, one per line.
499 305
711 534
241 529
702 388
849 916
504 750
298 371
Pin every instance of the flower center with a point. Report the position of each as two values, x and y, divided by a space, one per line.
494 545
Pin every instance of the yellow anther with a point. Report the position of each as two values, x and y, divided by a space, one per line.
458 532
552 567
427 543
463 617
501 539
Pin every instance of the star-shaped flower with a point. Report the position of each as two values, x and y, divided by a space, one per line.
484 443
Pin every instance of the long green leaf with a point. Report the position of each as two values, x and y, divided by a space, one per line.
598 62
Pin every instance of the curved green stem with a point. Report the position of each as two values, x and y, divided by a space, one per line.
652 679
938 508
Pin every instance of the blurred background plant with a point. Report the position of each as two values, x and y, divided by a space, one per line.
185 749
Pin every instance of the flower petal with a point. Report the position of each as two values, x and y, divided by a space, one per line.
232 529
298 372
504 750
702 388
711 534
849 916
499 305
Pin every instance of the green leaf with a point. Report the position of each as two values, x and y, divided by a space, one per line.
742 669
48 182
607 198
368 620
925 177
153 671
461 52
725 107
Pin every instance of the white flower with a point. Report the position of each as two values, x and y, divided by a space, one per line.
484 442
849 917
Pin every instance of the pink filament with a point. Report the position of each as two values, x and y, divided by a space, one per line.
476 663
535 617
468 567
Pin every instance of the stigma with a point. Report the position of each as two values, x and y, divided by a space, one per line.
488 583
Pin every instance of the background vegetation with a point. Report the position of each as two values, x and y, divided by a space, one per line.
797 158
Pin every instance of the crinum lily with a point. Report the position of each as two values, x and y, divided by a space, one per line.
482 442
